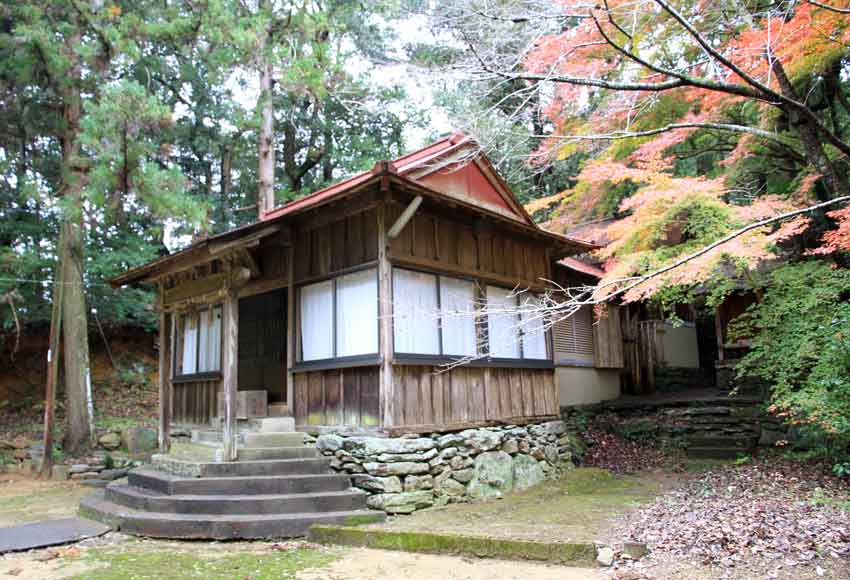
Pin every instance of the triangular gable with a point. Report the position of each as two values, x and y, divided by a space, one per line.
455 166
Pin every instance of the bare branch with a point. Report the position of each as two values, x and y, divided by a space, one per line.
617 135
828 7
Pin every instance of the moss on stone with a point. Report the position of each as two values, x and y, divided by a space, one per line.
141 563
560 552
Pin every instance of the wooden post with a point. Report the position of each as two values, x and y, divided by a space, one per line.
290 328
230 370
385 323
52 371
164 379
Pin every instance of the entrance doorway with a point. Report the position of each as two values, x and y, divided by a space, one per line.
262 344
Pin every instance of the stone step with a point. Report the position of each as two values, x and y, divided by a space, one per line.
722 441
273 439
255 485
304 466
215 527
265 453
207 436
271 424
714 452
317 502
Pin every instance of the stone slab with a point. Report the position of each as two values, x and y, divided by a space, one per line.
49 533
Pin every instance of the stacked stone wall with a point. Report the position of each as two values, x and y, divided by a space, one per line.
415 471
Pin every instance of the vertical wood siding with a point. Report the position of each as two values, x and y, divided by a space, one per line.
195 403
337 397
466 395
337 245
445 244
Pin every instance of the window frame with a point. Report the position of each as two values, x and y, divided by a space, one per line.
177 321
480 290
335 361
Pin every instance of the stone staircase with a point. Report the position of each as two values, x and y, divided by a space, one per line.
278 487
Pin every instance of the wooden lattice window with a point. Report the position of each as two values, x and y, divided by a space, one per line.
573 338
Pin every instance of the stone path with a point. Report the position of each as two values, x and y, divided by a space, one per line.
48 533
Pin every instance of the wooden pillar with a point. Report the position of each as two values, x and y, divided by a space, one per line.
385 323
165 390
290 328
230 370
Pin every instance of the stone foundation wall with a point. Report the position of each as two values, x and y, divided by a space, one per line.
415 471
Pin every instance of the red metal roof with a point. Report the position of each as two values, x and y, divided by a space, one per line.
465 179
583 267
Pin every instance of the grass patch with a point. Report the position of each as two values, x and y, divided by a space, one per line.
136 564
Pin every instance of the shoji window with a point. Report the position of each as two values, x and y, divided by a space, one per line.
339 317
502 323
432 314
533 328
573 338
198 343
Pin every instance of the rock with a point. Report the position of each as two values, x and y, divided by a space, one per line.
527 472
494 475
401 503
20 442
464 475
573 443
459 462
523 446
373 446
548 428
418 483
140 440
538 453
329 443
551 453
20 454
352 467
452 488
60 472
605 556
336 463
510 446
390 484
392 457
451 440
400 468
95 482
635 550
448 452
78 468
110 441
86 475
110 474
480 440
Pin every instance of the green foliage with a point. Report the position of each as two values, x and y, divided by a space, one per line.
800 335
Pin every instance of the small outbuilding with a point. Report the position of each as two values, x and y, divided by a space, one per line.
347 307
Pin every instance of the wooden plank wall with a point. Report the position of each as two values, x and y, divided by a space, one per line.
608 340
337 397
336 245
195 402
445 244
468 395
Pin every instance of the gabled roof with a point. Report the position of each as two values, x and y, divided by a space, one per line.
582 267
452 168
453 165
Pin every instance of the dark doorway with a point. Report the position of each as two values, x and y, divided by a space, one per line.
262 344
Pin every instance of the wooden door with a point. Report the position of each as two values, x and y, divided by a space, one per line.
262 344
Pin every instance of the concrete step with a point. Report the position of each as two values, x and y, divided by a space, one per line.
215 527
273 439
317 502
271 424
256 485
265 453
207 437
714 452
304 466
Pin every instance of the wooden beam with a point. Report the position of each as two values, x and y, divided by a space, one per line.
404 218
165 388
249 261
244 241
290 330
230 371
385 323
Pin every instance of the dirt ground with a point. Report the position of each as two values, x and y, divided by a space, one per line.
25 499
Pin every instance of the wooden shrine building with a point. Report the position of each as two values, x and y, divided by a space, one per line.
338 308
